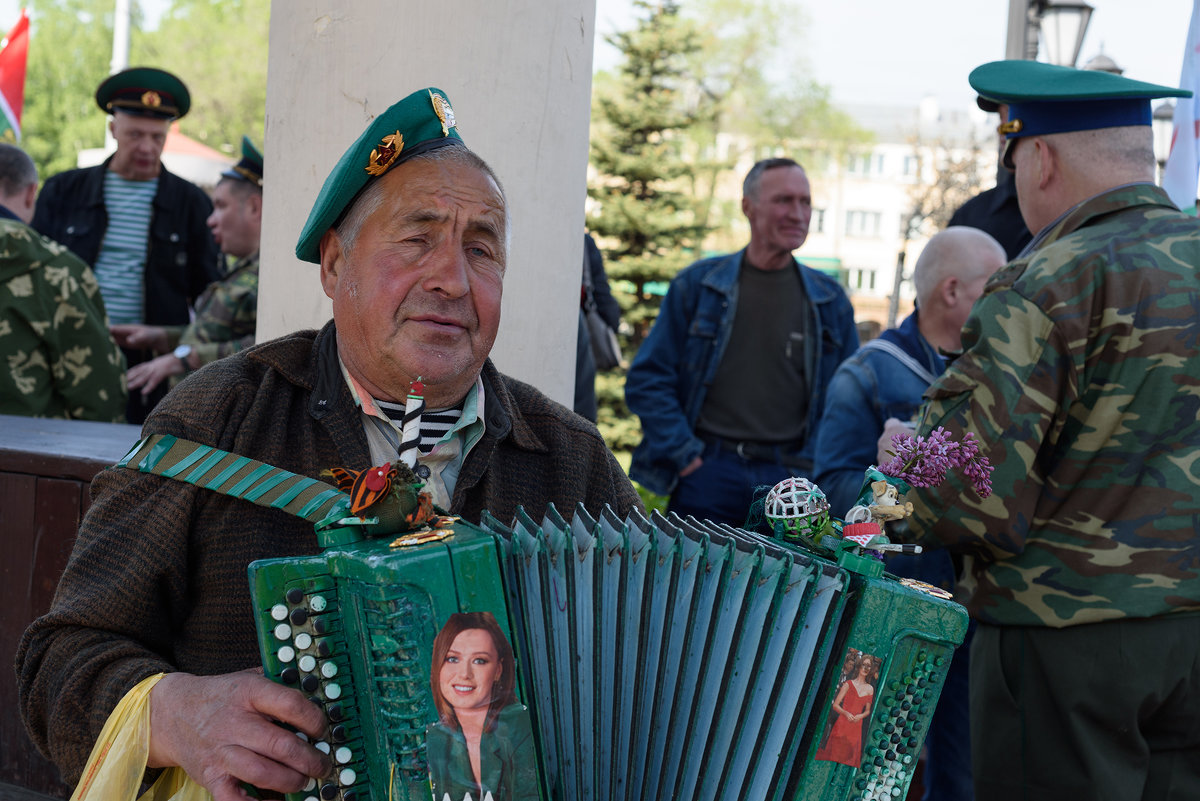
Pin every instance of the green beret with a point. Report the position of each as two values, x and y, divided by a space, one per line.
421 122
250 168
144 91
1046 99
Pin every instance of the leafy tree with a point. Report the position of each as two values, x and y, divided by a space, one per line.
952 178
219 49
70 50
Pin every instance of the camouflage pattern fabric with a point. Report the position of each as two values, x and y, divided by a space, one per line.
58 359
226 313
1081 379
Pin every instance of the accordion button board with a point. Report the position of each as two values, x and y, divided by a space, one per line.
352 628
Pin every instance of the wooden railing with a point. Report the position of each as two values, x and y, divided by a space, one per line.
45 469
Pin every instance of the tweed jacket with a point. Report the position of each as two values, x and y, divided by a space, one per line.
157 579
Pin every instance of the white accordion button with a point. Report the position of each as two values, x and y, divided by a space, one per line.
307 663
347 777
279 612
342 755
322 746
303 640
317 603
329 669
283 631
286 654
333 691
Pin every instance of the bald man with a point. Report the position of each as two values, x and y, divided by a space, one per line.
887 376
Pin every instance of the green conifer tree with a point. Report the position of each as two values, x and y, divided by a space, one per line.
642 215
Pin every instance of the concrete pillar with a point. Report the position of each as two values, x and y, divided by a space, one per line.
519 74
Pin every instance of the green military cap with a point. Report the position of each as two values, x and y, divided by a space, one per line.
250 168
1046 99
421 122
145 91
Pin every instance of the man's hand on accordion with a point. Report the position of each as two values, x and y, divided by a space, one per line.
225 729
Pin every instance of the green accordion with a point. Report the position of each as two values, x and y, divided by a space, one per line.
656 657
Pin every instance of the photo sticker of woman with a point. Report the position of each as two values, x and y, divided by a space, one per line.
482 741
850 710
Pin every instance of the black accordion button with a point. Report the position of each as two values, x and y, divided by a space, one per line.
298 616
338 734
324 649
310 683
335 713
329 791
289 675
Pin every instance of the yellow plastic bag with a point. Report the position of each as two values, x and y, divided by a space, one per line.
118 760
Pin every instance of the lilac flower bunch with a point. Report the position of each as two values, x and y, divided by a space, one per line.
925 461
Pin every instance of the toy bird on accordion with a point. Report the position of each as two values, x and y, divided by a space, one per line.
390 492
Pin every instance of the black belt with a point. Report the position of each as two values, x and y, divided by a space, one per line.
782 453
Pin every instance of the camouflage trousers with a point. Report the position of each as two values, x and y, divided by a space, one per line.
1104 711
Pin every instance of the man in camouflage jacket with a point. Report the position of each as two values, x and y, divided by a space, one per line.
227 312
1081 380
59 360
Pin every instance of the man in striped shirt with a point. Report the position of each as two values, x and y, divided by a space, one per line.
141 228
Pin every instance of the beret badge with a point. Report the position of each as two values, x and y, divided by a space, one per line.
385 154
441 107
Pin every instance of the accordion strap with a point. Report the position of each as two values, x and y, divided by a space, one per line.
237 476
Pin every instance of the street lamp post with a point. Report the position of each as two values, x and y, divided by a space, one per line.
1163 125
1060 23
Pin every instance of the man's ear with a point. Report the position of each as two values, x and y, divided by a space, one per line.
1046 162
332 261
254 205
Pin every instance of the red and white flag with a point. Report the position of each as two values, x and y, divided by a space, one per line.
13 51
1183 164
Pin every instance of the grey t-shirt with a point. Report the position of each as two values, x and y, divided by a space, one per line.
760 391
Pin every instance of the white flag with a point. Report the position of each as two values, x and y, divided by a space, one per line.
1183 164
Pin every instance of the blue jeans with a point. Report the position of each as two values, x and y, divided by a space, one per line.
725 486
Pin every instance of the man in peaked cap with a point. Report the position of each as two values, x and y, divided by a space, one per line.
1079 379
227 312
411 234
138 226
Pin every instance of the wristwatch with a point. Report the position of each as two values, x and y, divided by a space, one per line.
182 353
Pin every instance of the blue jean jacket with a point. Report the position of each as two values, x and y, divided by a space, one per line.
670 375
867 389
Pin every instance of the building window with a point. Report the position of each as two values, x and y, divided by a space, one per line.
816 225
865 164
864 224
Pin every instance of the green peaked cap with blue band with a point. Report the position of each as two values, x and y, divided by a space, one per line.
250 168
146 92
1047 99
421 122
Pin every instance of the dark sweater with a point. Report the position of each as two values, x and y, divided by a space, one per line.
157 579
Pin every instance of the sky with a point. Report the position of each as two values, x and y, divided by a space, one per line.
892 52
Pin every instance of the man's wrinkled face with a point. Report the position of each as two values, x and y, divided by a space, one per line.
140 142
780 211
418 294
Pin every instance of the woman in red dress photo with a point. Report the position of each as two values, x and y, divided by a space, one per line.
852 706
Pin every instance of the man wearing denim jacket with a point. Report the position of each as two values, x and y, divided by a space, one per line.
730 383
884 380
